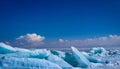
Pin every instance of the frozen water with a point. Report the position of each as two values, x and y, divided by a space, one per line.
58 53
99 51
39 53
59 61
82 60
69 57
6 49
91 58
13 62
20 58
66 57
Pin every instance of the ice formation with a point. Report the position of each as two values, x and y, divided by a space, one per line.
58 53
68 58
6 49
12 62
99 51
20 58
91 59
41 53
82 60
59 61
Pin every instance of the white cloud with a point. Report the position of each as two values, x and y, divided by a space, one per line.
111 40
34 40
29 40
61 40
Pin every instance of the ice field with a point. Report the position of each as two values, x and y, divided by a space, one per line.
96 58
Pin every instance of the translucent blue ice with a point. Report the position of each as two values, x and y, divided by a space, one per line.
91 59
81 59
59 61
6 49
99 51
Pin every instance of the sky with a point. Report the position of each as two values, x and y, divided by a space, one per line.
48 22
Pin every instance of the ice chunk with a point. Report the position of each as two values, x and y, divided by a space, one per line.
58 53
91 59
114 52
12 62
66 56
59 61
39 53
99 51
69 57
6 49
20 52
82 60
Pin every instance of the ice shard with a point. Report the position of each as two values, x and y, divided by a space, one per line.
59 61
81 59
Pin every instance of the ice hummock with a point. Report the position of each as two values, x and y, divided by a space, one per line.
20 58
66 57
33 63
58 53
59 61
39 53
91 58
6 49
99 51
82 60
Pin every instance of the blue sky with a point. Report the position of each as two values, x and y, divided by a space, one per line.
55 19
